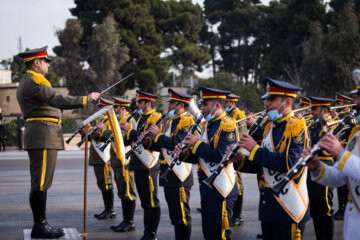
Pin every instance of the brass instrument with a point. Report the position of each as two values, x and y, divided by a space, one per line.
245 118
339 107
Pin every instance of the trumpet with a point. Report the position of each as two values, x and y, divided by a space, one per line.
303 160
300 109
339 107
246 118
226 158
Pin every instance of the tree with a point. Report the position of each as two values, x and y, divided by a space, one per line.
249 93
72 61
328 62
97 66
106 55
158 34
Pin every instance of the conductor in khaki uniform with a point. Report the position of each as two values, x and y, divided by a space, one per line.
40 106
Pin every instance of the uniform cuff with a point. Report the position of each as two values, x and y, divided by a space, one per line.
253 152
344 157
85 101
157 137
196 146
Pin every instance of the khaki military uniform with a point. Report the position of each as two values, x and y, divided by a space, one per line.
40 105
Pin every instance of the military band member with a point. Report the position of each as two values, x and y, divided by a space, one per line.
145 163
342 192
178 184
237 114
321 197
124 179
284 138
218 132
100 162
306 113
40 106
345 171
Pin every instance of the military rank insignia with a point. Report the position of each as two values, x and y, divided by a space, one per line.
299 139
187 129
230 136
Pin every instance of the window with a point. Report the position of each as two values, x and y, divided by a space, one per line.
8 98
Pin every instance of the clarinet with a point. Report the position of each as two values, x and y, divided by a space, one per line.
91 132
175 157
147 132
303 160
111 138
226 158
74 134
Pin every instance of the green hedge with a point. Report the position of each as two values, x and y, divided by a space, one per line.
69 124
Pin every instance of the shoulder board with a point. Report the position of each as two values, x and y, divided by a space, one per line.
228 124
39 79
353 131
294 127
154 117
185 121
239 114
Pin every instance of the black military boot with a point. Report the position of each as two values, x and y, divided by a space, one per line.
182 232
153 223
127 224
342 199
237 218
146 223
41 229
108 197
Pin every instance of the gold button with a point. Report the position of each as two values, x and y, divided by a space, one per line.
263 202
262 193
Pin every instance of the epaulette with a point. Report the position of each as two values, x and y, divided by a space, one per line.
228 124
39 79
154 117
353 131
294 127
185 121
239 114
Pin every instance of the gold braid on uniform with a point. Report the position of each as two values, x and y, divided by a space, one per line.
39 79
184 122
227 124
294 127
295 232
225 220
151 190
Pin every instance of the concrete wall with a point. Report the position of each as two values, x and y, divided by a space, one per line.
9 104
5 76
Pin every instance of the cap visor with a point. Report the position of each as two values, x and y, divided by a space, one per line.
354 91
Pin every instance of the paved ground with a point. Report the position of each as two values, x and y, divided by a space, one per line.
65 203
